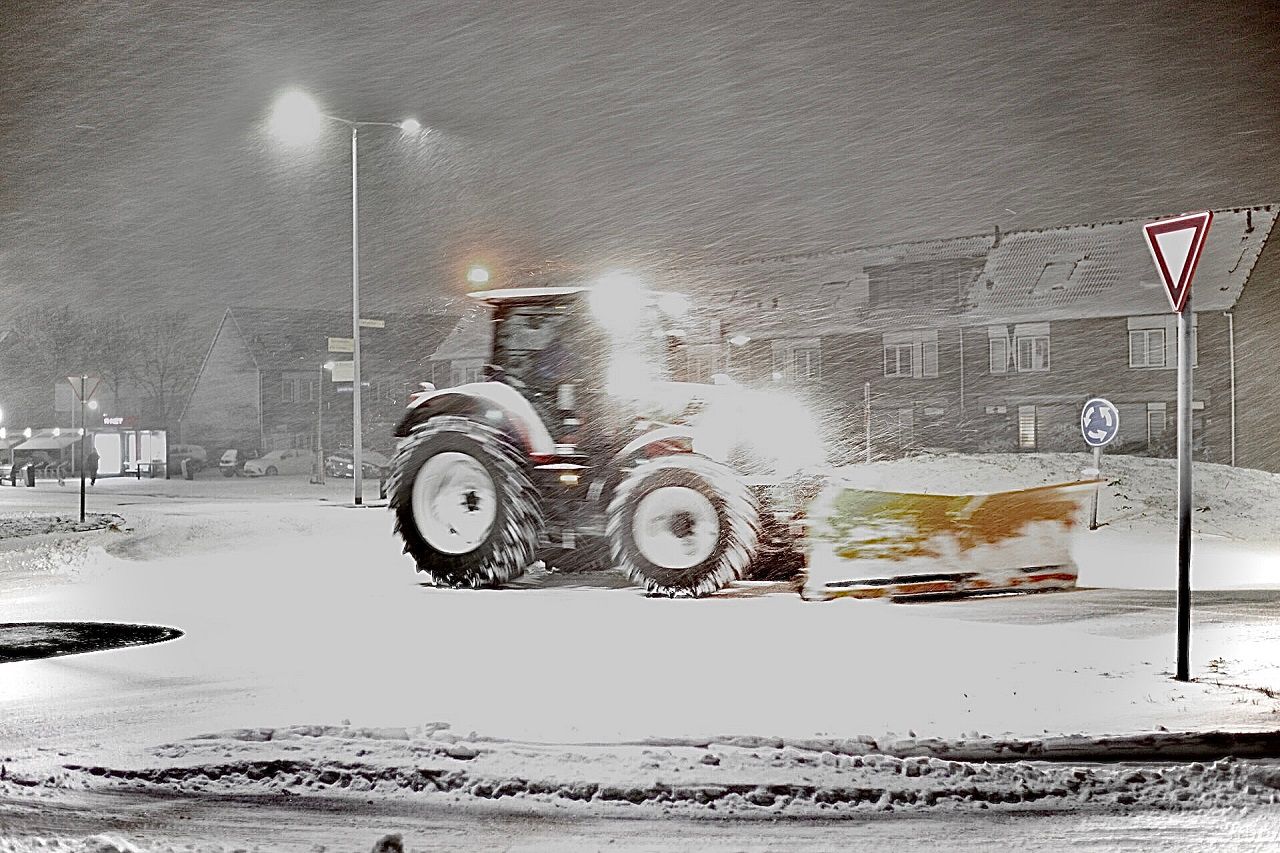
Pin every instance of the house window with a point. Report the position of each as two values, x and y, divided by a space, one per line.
1156 423
1033 353
912 354
1153 341
929 352
797 359
807 363
1027 427
906 426
897 360
464 371
1146 348
288 389
999 354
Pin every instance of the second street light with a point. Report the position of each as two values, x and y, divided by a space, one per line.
297 119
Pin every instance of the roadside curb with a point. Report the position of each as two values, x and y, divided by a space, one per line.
1142 746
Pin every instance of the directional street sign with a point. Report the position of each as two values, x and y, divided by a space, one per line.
372 324
342 345
1099 422
1175 246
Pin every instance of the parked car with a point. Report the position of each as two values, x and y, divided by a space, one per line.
197 457
280 462
232 461
342 464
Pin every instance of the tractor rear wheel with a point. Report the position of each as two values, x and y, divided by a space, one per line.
683 525
464 504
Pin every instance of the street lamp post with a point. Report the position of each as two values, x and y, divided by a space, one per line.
297 118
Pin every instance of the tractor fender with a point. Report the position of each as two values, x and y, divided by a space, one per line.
492 401
682 436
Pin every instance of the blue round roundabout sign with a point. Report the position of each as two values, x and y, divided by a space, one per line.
1099 422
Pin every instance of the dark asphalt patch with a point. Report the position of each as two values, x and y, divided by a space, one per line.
34 640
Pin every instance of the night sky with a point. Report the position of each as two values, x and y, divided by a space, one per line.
136 170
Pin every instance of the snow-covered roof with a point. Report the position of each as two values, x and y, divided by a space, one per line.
1105 270
46 440
1067 272
514 293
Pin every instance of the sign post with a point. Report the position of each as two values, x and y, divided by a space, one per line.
85 387
1099 424
1175 246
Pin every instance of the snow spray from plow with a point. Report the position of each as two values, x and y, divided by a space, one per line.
871 544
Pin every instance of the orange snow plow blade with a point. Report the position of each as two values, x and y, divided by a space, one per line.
868 544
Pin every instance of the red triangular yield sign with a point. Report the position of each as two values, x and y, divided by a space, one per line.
89 385
1175 246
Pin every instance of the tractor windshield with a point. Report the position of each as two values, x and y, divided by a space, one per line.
540 345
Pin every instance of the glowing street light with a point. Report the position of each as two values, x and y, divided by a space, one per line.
296 119
478 275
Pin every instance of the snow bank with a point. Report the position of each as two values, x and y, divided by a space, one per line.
726 776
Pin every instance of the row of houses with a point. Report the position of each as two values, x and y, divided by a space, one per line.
993 342
988 342
263 381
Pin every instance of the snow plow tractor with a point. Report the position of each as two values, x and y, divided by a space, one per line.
581 450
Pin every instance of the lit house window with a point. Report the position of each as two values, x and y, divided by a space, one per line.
1031 347
913 354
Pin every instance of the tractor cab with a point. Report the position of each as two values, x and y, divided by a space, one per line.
567 349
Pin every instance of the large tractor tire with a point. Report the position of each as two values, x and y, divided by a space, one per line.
683 525
464 503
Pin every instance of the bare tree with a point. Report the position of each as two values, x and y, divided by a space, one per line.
54 341
165 362
114 350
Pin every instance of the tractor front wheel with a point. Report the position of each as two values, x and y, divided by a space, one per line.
683 525
464 503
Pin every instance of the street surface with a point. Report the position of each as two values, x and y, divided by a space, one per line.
300 610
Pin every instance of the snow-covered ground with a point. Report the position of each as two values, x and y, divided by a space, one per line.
310 640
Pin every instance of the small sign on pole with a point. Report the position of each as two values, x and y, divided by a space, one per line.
343 371
372 324
1175 246
1099 424
342 345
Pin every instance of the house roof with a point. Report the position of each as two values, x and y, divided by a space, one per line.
1105 270
470 337
297 339
1069 272
287 339
45 440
